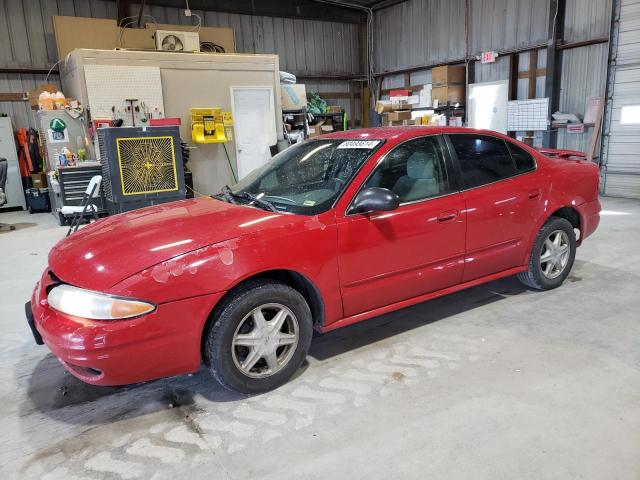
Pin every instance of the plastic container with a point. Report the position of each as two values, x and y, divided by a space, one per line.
59 100
37 200
46 101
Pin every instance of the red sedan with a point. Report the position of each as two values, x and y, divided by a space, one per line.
330 232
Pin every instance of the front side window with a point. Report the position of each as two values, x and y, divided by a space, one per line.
414 170
483 159
308 177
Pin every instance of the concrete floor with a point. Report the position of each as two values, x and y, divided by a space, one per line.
495 382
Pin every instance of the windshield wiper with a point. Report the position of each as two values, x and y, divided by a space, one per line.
231 197
227 194
265 205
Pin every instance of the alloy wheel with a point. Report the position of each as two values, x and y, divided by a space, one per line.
555 254
265 340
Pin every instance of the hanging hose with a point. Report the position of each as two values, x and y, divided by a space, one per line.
235 179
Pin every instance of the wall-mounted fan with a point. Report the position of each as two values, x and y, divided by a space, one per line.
177 41
172 43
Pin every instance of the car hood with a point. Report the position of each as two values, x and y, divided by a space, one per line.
111 250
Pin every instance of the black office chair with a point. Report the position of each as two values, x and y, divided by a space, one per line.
3 197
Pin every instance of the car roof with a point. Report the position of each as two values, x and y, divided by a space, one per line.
401 132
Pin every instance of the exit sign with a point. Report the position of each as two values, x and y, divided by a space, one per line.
488 57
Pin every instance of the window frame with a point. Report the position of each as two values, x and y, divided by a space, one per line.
458 165
535 163
452 173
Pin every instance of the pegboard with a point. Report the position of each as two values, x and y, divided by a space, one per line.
110 86
527 115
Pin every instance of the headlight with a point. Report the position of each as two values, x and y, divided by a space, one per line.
96 306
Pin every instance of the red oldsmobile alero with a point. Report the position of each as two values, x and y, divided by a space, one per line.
328 233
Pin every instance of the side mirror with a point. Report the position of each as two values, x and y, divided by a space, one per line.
375 199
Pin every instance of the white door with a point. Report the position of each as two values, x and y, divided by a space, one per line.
13 188
254 120
488 105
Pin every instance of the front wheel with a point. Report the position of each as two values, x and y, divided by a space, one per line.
259 338
552 256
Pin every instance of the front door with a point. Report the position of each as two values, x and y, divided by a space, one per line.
387 257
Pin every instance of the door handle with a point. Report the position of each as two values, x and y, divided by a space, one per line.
533 194
447 216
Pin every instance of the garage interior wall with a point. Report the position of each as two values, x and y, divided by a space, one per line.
409 38
311 48
416 33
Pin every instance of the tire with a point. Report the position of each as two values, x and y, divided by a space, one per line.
235 323
541 275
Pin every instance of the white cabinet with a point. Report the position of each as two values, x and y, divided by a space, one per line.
13 188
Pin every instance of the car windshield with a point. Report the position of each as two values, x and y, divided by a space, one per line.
308 177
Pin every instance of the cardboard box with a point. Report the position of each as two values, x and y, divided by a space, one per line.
399 93
294 96
448 75
401 104
39 180
397 116
334 109
316 130
450 94
383 106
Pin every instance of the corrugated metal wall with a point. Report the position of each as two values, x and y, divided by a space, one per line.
304 46
587 19
500 25
418 32
584 75
507 24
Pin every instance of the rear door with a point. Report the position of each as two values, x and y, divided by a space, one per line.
387 257
498 201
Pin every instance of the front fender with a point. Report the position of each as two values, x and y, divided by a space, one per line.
207 270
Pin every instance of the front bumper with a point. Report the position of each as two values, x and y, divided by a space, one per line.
163 343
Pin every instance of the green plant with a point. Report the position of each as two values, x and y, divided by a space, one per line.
316 104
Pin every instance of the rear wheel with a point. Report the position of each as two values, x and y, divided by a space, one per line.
552 256
260 337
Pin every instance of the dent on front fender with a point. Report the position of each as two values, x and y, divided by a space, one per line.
207 270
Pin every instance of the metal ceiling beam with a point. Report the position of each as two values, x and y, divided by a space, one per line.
303 9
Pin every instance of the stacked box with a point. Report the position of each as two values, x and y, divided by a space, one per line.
448 84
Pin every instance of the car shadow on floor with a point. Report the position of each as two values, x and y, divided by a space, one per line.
56 393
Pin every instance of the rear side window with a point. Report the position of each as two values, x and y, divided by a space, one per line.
524 160
483 159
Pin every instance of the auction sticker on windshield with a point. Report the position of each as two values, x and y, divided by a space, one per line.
367 144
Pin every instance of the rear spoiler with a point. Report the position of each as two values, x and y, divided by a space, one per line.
562 153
